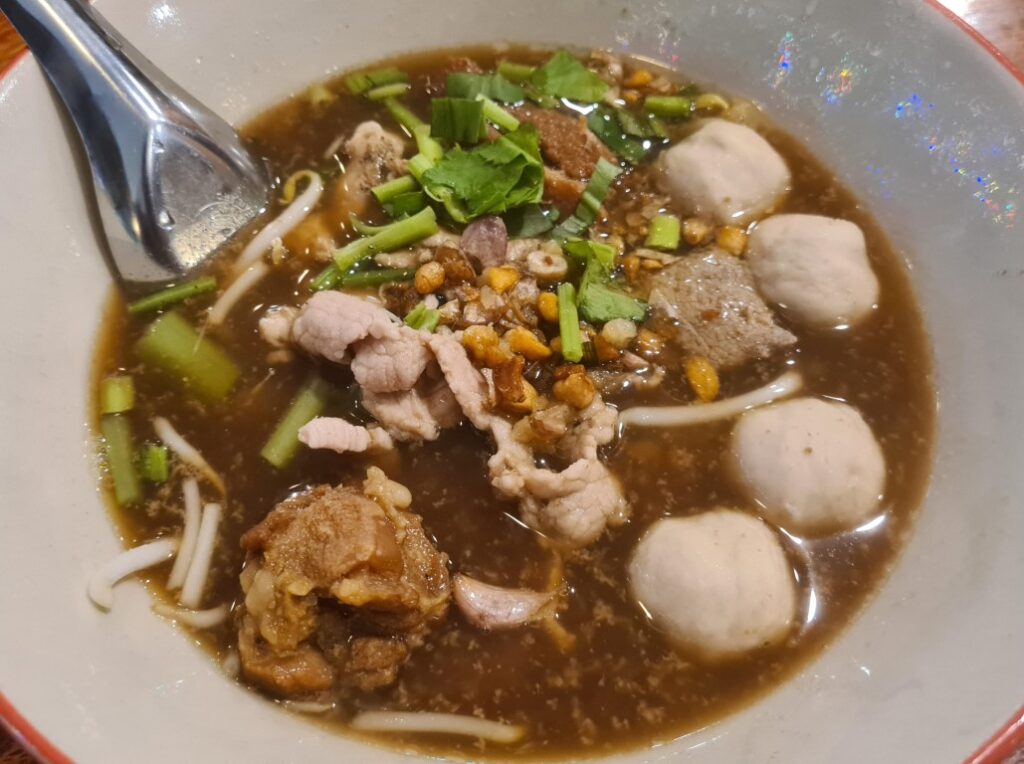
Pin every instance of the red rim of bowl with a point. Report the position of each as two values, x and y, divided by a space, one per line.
995 750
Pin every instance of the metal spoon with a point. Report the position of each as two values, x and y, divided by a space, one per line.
172 179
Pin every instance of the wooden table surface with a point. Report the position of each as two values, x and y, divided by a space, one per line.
1001 21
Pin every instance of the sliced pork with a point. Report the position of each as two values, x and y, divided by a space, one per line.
342 436
374 156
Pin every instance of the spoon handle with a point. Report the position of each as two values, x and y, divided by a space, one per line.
172 179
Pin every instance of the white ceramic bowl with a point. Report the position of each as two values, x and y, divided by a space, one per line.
922 121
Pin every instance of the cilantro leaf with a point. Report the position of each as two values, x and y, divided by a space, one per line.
494 86
600 304
529 220
492 178
599 301
565 77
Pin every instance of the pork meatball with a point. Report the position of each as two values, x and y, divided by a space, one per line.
726 171
813 268
718 583
813 465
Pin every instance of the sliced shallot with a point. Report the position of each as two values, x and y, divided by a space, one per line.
197 619
186 451
699 413
195 579
444 724
497 607
193 510
101 584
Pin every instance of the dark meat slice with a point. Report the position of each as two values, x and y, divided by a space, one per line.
329 570
566 142
717 313
374 661
301 671
562 191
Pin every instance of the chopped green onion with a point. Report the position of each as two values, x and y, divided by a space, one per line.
710 102
669 106
404 205
364 229
541 99
395 235
597 187
172 295
360 82
171 345
116 430
494 113
361 279
585 250
569 323
423 318
117 394
514 72
328 278
388 190
154 463
469 85
604 123
639 125
402 115
663 233
460 120
418 165
388 91
590 203
426 145
306 405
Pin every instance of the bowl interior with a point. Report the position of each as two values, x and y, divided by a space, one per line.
915 117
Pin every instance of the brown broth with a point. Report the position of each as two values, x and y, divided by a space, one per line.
624 685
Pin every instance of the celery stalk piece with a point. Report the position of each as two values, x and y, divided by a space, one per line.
197 363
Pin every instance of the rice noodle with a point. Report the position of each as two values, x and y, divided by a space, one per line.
101 583
232 664
699 413
193 509
199 569
333 146
186 452
279 227
197 619
445 724
250 278
307 706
